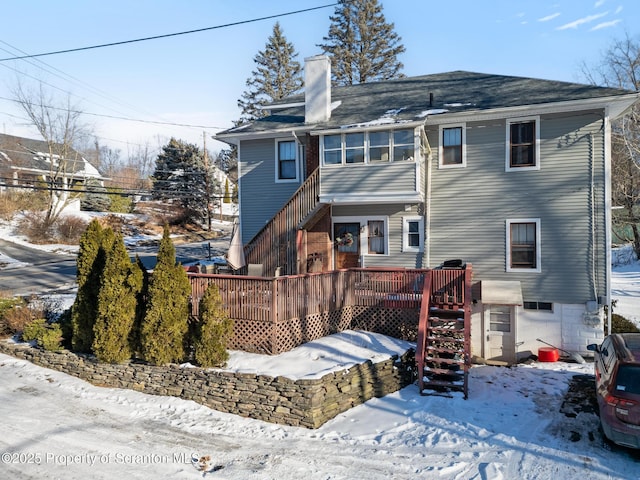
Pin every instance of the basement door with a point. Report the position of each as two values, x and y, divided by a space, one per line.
346 241
500 335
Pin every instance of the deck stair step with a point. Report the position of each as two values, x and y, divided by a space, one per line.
444 333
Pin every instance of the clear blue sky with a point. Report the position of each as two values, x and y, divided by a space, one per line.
196 79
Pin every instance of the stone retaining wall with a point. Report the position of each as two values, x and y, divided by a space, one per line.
306 403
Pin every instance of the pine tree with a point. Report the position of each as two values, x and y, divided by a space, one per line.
213 330
362 46
120 284
278 75
164 327
181 176
90 263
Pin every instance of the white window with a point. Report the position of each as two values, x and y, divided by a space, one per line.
453 146
354 147
523 144
368 147
403 145
375 237
523 245
332 148
373 233
379 146
287 161
413 234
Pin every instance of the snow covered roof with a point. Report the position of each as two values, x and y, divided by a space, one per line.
413 99
33 155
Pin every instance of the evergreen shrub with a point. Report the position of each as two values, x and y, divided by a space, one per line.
165 324
213 330
90 262
120 283
619 324
46 335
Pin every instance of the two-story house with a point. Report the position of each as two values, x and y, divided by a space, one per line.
26 162
509 174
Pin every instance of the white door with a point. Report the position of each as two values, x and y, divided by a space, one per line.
500 335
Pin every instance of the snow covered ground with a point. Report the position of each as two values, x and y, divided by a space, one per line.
511 427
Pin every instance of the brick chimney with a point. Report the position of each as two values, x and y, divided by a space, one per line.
317 89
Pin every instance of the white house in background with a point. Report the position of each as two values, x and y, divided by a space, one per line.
25 162
509 174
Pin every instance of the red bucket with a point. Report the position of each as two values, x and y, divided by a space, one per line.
548 354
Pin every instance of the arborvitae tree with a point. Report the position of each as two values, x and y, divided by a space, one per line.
278 75
164 326
89 267
362 46
227 194
182 177
213 330
141 307
120 284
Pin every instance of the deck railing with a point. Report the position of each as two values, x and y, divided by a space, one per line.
296 296
274 245
272 315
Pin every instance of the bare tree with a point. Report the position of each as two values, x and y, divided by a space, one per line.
59 127
620 67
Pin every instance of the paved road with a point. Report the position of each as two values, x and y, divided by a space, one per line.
45 271
48 272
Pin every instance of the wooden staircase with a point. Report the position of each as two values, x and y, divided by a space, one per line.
275 245
443 353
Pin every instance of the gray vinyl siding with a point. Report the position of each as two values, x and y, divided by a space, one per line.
395 213
470 206
369 178
260 196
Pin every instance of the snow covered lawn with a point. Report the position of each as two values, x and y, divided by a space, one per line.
56 426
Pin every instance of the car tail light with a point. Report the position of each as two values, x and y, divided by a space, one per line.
621 404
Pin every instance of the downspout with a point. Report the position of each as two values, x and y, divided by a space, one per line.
592 199
606 125
427 152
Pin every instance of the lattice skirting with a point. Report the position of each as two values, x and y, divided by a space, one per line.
268 338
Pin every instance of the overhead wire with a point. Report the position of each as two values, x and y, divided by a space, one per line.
27 57
167 35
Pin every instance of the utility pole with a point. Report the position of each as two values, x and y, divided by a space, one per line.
207 180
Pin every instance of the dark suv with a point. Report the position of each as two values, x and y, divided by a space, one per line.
617 370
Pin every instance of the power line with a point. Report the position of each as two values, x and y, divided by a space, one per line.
208 127
242 22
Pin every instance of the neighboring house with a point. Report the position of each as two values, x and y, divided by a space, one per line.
25 162
509 174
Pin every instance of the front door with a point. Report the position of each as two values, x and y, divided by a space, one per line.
500 336
346 241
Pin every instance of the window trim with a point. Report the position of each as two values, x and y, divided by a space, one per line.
405 233
441 130
536 151
538 306
296 161
367 146
538 246
364 231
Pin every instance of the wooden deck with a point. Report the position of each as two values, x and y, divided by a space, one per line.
273 315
